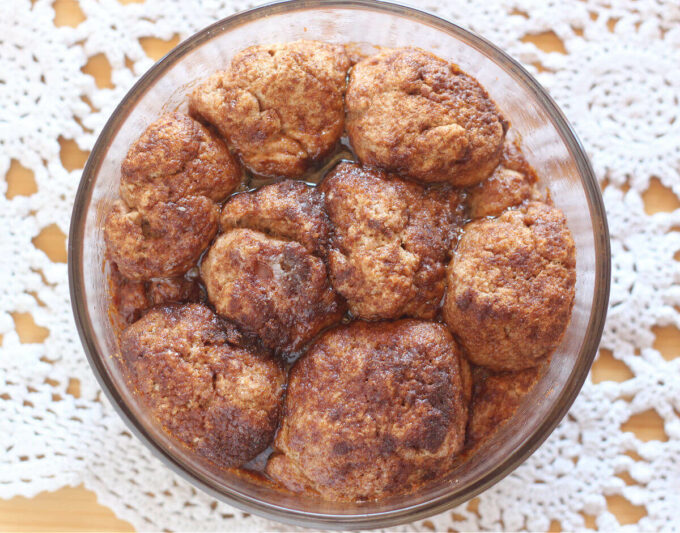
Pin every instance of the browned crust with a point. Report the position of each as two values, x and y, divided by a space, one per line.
413 113
280 106
170 180
390 241
514 182
511 287
163 241
273 288
129 299
218 399
372 409
286 210
495 399
174 158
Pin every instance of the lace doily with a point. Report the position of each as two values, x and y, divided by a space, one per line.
618 83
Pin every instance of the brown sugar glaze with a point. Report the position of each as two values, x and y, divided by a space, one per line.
129 299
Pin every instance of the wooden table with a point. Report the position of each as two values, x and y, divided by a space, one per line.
76 509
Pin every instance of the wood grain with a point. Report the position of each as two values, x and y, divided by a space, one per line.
77 509
68 509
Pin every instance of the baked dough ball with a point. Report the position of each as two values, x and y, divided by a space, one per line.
287 210
170 180
219 399
128 298
131 298
270 287
390 241
511 184
287 474
174 158
511 287
280 106
411 112
495 400
372 410
169 290
164 240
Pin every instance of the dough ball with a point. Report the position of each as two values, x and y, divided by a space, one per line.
288 210
413 113
372 410
162 241
219 399
280 106
270 287
177 157
390 241
511 287
495 399
511 184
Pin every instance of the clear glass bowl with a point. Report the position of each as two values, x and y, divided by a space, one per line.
549 144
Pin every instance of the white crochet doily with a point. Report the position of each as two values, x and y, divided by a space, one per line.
619 84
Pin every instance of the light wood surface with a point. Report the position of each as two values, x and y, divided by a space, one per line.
77 509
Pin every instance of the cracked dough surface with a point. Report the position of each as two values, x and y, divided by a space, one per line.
279 106
219 399
372 409
511 287
390 241
413 113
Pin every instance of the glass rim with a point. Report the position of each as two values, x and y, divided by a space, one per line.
458 494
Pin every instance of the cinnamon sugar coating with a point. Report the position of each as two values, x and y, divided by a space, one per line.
171 179
511 287
495 399
413 113
372 410
390 241
288 209
279 106
270 287
218 398
512 183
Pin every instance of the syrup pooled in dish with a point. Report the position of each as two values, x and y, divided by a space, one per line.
407 297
